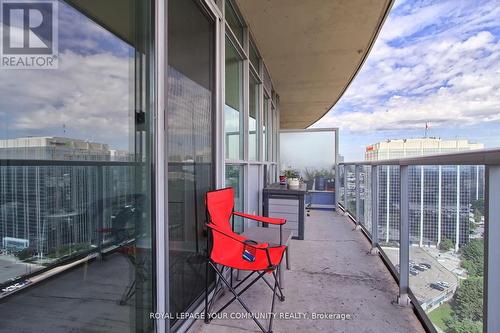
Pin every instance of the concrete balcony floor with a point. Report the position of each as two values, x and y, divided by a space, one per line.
332 272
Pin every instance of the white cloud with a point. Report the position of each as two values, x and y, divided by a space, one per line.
89 94
447 75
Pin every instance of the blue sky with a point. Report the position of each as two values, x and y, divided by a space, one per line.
434 61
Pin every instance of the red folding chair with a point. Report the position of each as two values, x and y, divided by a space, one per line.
232 251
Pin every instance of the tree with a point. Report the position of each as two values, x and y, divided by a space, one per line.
469 300
478 205
464 326
473 257
24 254
446 244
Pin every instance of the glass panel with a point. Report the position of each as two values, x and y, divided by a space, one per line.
342 189
253 120
389 199
254 57
265 129
350 193
75 159
233 110
446 225
276 128
234 21
234 179
191 38
365 197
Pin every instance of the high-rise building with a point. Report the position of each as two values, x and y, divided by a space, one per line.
49 207
440 197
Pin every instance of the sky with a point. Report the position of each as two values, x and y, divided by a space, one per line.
89 97
434 62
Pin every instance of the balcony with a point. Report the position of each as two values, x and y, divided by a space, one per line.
332 272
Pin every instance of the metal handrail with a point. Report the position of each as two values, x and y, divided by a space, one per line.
46 162
470 157
490 158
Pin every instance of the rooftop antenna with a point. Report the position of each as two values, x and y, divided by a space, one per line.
426 129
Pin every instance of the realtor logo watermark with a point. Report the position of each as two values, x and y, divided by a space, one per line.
29 33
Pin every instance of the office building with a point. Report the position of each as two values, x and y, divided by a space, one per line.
440 197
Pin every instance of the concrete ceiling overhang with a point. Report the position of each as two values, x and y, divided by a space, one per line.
313 49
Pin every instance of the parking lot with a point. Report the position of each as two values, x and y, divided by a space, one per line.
420 283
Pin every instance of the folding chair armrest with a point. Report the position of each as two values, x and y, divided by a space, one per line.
237 238
263 219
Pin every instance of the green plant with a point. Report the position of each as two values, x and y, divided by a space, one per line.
469 300
290 173
325 173
464 326
473 257
309 174
446 245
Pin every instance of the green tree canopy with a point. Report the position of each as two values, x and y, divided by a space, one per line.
469 300
446 244
464 326
473 257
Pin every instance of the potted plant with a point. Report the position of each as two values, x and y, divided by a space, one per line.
323 180
309 177
292 177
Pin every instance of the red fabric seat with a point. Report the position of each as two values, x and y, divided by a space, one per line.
228 249
228 246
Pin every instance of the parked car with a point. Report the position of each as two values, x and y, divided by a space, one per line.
428 266
413 272
418 268
437 286
444 284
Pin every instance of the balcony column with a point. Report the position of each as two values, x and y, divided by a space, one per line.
374 206
358 196
404 238
491 321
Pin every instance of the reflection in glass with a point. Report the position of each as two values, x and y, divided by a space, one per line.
389 211
234 21
253 120
265 129
254 57
446 267
234 179
75 179
189 138
233 109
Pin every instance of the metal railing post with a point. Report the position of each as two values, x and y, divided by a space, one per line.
337 187
404 238
345 190
358 197
491 301
374 206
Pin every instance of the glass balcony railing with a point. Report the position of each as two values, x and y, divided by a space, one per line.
54 213
431 219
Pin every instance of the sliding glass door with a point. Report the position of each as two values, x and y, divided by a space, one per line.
75 168
190 116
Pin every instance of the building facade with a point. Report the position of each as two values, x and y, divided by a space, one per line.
440 197
56 209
